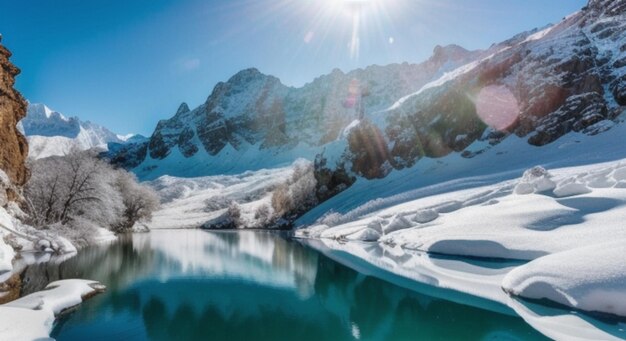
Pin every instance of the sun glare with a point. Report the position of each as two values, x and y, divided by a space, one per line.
355 9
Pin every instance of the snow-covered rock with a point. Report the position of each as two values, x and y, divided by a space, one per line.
590 278
535 180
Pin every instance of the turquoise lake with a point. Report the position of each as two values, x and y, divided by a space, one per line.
201 285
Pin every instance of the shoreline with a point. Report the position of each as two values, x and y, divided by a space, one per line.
466 281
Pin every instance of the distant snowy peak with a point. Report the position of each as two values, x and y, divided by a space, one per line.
51 133
43 121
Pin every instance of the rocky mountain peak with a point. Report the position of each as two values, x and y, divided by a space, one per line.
246 76
450 52
182 109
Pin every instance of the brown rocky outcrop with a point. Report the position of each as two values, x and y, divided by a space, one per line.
13 145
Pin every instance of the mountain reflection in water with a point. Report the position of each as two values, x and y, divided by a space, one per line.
197 285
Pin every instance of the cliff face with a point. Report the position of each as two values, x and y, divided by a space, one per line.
13 145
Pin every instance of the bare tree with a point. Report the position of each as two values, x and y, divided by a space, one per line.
81 187
139 201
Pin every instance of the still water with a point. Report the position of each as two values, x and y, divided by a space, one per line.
200 285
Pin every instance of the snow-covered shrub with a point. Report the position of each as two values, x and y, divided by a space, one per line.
303 185
330 218
234 214
298 193
535 180
263 215
216 203
139 201
281 200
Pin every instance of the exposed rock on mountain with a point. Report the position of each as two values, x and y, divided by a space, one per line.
14 148
540 85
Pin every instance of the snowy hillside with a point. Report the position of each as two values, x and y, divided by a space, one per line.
50 133
209 201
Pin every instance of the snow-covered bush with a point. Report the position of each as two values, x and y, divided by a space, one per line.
298 193
234 214
263 215
281 200
139 201
330 218
216 203
78 188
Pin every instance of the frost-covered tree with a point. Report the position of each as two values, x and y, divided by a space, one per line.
297 194
139 201
81 187
234 214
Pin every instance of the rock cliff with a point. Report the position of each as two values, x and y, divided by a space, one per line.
14 149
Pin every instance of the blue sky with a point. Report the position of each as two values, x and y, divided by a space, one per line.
127 64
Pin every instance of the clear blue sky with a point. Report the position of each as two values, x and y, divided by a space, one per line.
126 64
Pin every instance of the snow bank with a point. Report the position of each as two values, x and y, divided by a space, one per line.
590 278
6 251
31 317
541 213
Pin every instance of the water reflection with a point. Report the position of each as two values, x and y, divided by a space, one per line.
197 285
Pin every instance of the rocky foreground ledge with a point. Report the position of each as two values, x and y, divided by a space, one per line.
31 317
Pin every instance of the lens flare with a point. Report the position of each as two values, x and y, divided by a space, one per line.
497 107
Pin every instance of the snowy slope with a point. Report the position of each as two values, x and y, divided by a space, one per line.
50 133
564 218
191 202
205 201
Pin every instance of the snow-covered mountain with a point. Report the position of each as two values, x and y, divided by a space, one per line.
253 121
539 85
50 133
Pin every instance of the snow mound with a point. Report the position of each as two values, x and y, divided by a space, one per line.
591 278
6 251
571 187
425 216
366 235
31 317
397 223
559 210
